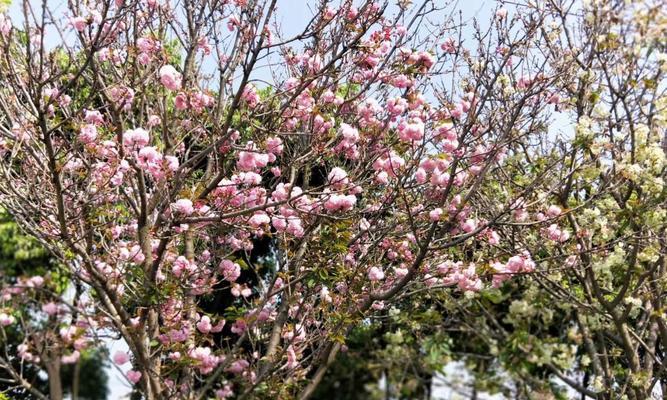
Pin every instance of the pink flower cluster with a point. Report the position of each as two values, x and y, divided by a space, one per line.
204 358
522 263
170 78
348 145
251 159
388 165
195 102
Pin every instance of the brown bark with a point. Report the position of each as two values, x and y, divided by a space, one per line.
55 382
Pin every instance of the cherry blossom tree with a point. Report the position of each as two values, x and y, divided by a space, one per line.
232 200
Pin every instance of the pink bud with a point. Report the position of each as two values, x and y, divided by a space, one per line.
78 23
120 358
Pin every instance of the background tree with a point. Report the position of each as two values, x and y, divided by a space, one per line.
22 256
587 320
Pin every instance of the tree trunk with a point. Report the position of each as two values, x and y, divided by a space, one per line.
55 383
76 377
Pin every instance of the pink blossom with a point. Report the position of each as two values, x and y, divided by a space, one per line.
172 162
183 206
520 263
181 101
329 13
182 264
70 358
401 81
123 96
338 177
295 228
554 98
88 133
204 325
5 25
6 319
35 281
229 270
375 274
523 82
50 308
469 226
520 214
426 59
120 358
493 238
420 175
148 45
413 130
352 13
224 393
154 120
251 96
274 145
449 45
340 202
397 105
67 333
501 13
218 327
94 117
233 22
238 366
78 23
553 211
137 137
328 96
149 158
439 178
200 100
81 343
349 133
435 214
170 78
553 232
292 360
251 160
279 222
259 219
133 376
390 163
